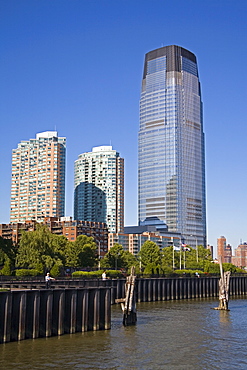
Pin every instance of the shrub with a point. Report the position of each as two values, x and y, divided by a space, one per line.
97 274
190 272
6 270
55 270
240 271
114 273
212 268
40 268
152 268
87 274
26 272
167 270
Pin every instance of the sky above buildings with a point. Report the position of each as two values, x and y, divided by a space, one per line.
76 66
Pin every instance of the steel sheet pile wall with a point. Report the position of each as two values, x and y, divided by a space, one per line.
44 313
163 289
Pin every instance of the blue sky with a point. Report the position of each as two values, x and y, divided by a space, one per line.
76 66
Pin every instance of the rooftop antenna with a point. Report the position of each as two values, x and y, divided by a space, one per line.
55 127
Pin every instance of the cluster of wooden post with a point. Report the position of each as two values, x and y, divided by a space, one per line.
128 303
224 284
43 313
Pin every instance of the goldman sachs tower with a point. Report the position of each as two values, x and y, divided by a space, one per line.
171 158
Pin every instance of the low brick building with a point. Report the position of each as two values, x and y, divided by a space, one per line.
240 258
63 226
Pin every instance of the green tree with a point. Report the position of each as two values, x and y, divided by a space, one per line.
150 256
82 252
56 269
168 255
118 258
197 258
6 270
40 249
72 255
211 267
2 257
130 260
114 258
7 251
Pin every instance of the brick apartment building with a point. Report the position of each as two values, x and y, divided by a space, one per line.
63 226
240 258
224 250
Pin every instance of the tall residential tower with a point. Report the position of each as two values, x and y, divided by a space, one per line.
171 164
99 188
38 178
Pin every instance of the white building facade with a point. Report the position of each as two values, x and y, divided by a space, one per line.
99 187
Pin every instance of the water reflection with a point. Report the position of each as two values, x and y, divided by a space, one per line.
168 335
224 317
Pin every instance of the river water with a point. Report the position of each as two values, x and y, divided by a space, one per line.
169 335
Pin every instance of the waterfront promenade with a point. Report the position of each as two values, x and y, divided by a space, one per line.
147 288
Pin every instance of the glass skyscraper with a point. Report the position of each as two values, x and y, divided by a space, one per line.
99 188
171 158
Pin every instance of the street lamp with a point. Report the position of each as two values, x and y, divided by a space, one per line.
99 255
196 250
173 255
180 260
117 254
181 243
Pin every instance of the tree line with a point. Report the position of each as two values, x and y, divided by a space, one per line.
40 251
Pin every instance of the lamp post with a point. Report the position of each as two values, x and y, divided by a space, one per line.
99 255
140 245
173 258
180 261
117 254
173 255
196 250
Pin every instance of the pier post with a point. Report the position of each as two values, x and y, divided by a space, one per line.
140 290
5 315
168 289
176 289
32 314
16 314
70 311
61 310
189 288
84 312
145 288
96 309
163 290
107 308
